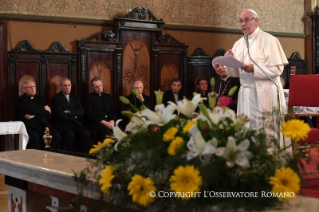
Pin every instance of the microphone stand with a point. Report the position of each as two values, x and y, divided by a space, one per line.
279 113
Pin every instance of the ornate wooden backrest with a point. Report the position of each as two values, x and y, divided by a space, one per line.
199 65
171 57
100 56
45 68
296 66
137 50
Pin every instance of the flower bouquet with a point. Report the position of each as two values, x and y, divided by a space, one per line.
193 161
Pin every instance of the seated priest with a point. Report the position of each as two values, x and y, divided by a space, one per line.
33 112
139 87
222 87
174 94
100 113
66 110
202 88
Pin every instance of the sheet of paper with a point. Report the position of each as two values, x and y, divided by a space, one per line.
228 61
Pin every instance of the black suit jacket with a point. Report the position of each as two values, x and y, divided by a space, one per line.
33 106
204 95
96 112
60 104
169 97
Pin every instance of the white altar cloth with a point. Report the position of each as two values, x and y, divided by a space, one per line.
15 127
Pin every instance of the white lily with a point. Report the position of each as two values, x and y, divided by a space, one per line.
161 115
118 134
218 114
136 121
187 107
235 154
198 146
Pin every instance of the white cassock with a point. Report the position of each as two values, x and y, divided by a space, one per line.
257 93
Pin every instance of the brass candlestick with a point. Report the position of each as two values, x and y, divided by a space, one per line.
47 137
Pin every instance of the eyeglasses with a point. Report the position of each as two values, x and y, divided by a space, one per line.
246 21
30 87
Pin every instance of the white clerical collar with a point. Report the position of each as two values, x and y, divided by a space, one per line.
254 34
225 79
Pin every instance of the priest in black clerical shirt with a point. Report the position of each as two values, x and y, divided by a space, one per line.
174 94
139 87
33 112
202 88
222 87
100 113
66 111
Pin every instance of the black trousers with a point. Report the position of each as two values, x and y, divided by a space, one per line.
72 131
36 139
99 130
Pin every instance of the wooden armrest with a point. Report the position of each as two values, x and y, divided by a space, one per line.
290 116
305 114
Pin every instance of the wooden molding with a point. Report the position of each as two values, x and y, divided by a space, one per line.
110 23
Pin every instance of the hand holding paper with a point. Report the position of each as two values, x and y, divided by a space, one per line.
228 61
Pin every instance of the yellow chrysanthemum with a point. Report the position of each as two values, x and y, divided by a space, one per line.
97 147
186 179
295 129
189 125
170 134
108 141
106 178
175 144
140 189
285 180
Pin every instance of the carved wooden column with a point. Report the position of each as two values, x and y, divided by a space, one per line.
3 70
315 42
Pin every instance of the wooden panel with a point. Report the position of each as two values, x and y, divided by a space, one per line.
101 64
55 72
170 68
136 59
199 65
102 59
56 66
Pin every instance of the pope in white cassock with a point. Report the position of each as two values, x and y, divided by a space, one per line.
258 93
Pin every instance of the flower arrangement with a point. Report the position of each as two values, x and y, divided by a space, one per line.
193 161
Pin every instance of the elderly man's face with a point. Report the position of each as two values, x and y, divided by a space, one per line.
97 87
251 24
176 86
66 87
220 70
30 89
139 88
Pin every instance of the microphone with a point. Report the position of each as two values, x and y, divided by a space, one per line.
246 39
278 99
